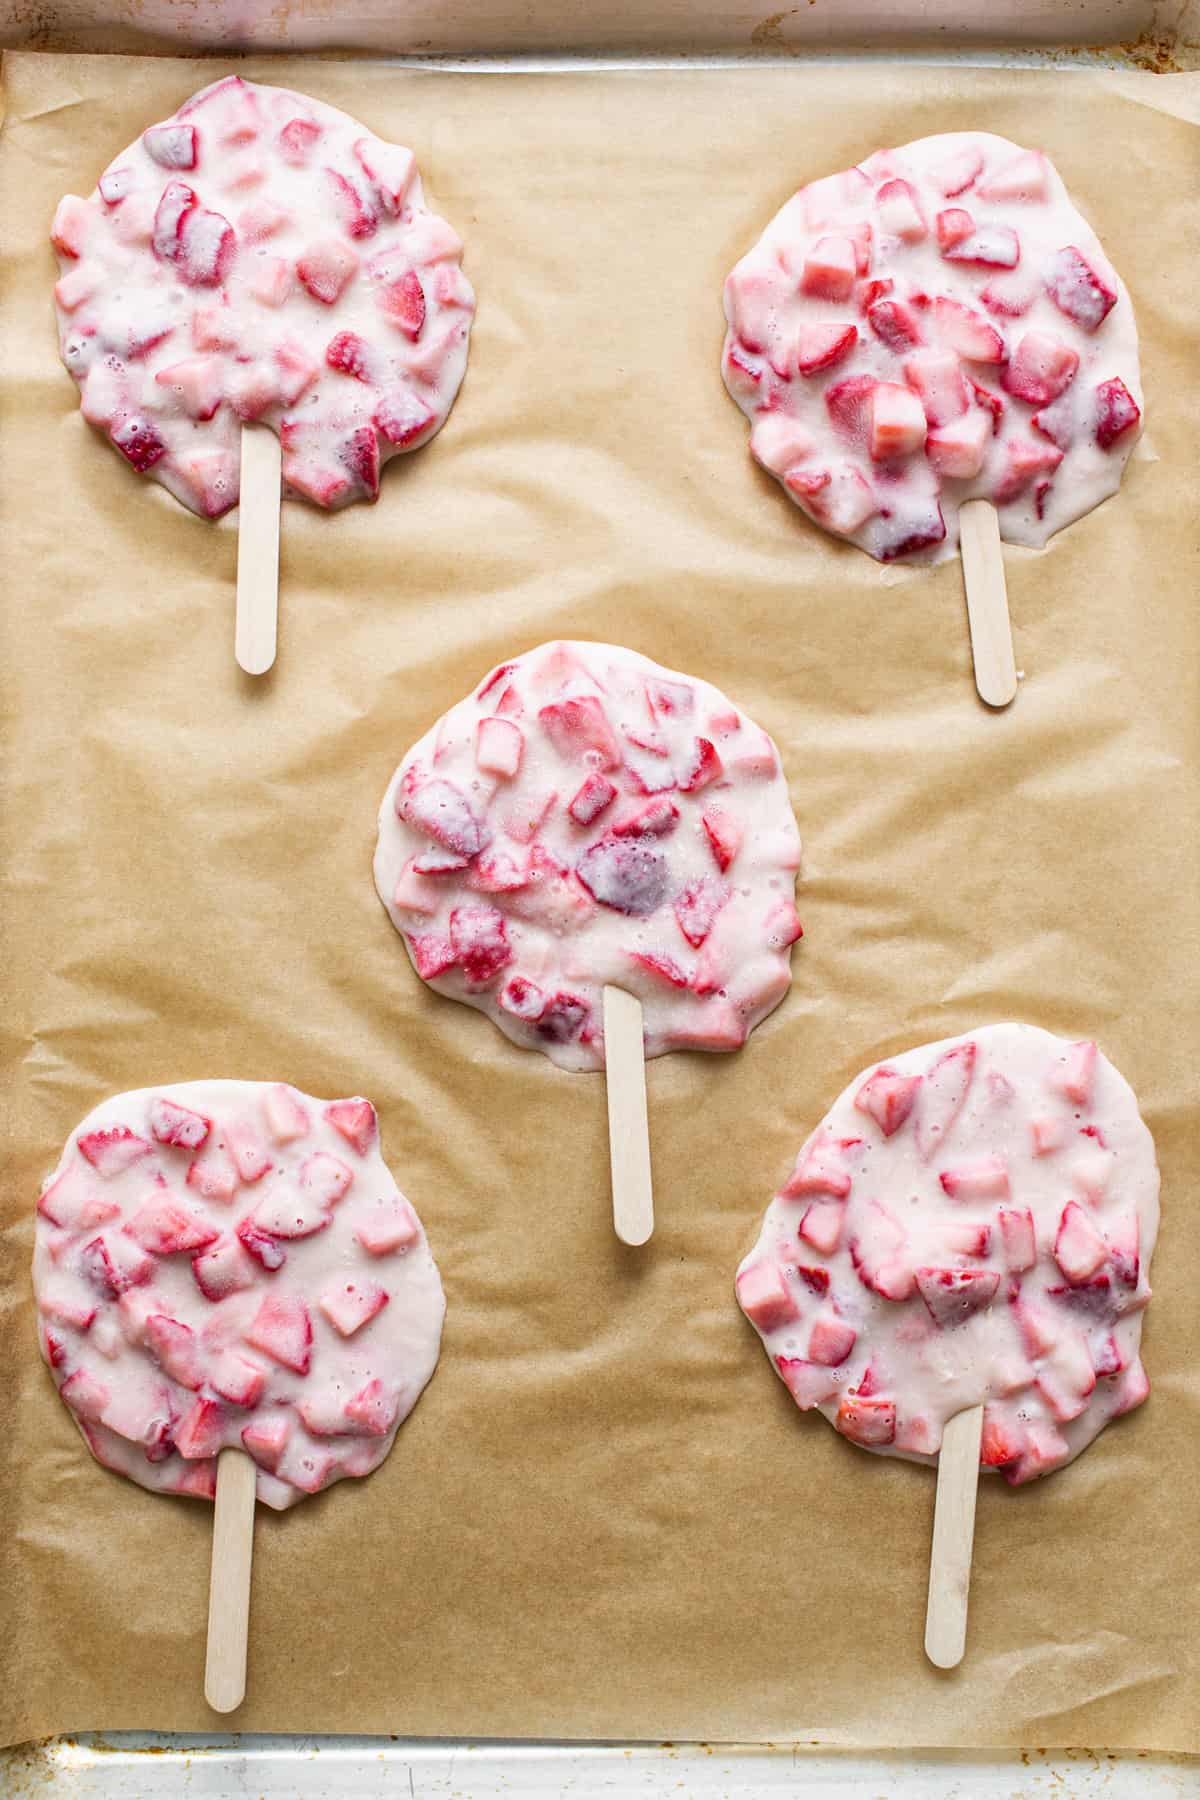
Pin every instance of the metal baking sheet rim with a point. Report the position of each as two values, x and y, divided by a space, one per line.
116 1766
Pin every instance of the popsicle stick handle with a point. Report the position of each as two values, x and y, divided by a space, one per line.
229 1583
953 1538
258 550
987 603
628 1127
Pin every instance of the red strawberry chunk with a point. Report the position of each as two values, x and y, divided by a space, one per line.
980 1178
888 1097
324 1178
782 927
236 1379
724 833
822 1224
1079 1248
1003 1438
1116 412
389 1225
696 907
138 442
765 1298
821 346
403 303
1018 1239
70 226
991 402
358 217
663 967
816 1279
579 730
176 201
848 405
266 1439
66 1312
432 954
967 332
596 793
287 1120
479 939
113 1265
499 745
831 1342
249 1152
894 324
326 268
953 1295
390 167
563 1018
359 453
284 1214
900 210
355 1120
829 269
954 226
1041 367
165 1228
73 1202
995 246
657 818
201 1432
223 1270
373 1409
444 812
868 1422
213 1175
349 1305
808 1383
1078 290
85 1394
112 1152
523 999
264 1248
351 354
283 1329
626 874
937 377
402 418
945 1089
171 1123
176 1348
206 248
820 1169
703 766
297 139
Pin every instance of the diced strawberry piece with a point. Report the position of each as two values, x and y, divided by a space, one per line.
350 354
171 1123
1078 290
779 442
1024 178
387 1226
495 872
176 1348
991 403
356 1121
663 967
563 1018
982 1178
69 230
138 442
499 745
1024 461
596 793
359 453
1124 1249
1094 1297
1044 1449
1003 1438
1048 1132
821 1225
176 201
112 1265
894 324
266 1439
579 730
1057 422
1066 1377
1091 1173
479 939
820 1169
403 303
373 1409
742 377
78 286
937 377
724 833
200 1433
297 139
213 1176
782 927
1109 1359
808 1383
967 332
657 818
868 292
867 1421
1129 1389
821 346
831 1342
283 1329
73 1202
113 1151
1079 1249
967 1239
248 1150
116 184
264 1248
900 211
957 170
67 1312
829 269
876 1253
284 1214
223 1270
432 954
1017 1236
848 405
911 525
957 450
954 226
236 1379
286 1119
171 146
444 812
817 1280
1041 368
326 268
887 1097
390 167
954 1295
839 498
85 1394
402 418
207 244
359 219
897 425
994 246
627 874
1116 412
696 907
165 1228
765 1297
1073 1074
349 1305
944 1091
325 1178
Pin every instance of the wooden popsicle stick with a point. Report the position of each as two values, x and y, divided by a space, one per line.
258 550
953 1538
628 1127
229 1582
987 602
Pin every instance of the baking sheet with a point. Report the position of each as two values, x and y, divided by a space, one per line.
605 1518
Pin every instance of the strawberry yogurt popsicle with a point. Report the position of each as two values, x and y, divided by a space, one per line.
971 1224
937 325
586 818
230 1264
261 257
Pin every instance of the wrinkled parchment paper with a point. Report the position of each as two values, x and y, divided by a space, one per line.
605 1516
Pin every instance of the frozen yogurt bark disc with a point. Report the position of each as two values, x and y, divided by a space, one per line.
585 818
230 1264
260 256
972 1222
939 324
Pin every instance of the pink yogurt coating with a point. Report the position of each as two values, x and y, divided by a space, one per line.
585 818
262 257
972 1222
230 1264
936 325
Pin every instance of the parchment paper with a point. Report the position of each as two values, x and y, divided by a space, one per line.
605 1517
